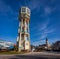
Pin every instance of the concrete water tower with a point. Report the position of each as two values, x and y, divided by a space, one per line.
23 39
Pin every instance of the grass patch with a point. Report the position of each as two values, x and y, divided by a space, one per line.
11 52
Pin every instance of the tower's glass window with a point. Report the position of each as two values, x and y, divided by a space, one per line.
26 38
23 22
22 36
27 29
23 9
28 11
22 29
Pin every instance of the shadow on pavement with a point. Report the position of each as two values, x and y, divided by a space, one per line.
31 57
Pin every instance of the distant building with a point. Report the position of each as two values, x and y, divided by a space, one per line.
33 48
47 45
56 45
6 45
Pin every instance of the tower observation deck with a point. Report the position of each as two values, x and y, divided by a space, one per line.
23 39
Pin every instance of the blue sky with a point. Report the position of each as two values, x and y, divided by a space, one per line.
44 20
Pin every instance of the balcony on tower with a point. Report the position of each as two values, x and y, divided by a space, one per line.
24 12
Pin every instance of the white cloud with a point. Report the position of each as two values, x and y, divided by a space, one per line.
47 10
44 25
43 41
42 31
8 38
34 4
49 31
43 36
39 28
38 42
53 40
46 32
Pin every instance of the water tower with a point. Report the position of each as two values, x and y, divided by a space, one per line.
23 39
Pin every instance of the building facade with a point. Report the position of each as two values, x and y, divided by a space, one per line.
6 45
23 39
